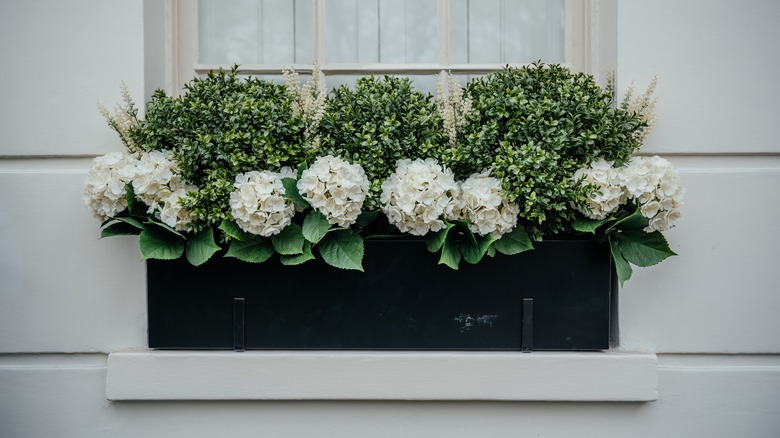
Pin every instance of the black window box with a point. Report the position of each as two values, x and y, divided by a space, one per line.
556 297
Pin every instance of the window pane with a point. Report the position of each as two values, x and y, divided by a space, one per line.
256 31
506 31
421 83
387 31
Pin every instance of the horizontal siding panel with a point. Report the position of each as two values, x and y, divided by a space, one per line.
720 294
717 71
44 401
61 288
58 59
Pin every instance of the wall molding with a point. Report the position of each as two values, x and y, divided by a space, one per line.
614 375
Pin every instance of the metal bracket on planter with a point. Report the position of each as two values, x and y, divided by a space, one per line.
527 335
239 319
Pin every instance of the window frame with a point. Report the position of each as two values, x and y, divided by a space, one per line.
580 28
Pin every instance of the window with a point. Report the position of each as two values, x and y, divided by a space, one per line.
350 38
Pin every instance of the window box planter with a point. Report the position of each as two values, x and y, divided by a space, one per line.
555 297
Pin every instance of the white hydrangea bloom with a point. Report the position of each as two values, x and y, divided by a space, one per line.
335 188
105 193
484 209
155 172
654 183
172 212
608 194
419 195
258 203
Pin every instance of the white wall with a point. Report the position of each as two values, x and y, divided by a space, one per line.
710 313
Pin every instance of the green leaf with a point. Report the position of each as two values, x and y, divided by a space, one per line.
450 254
343 249
622 267
366 218
165 228
434 241
231 229
135 223
130 195
586 225
290 260
291 192
474 253
119 229
514 242
289 241
491 251
636 221
158 244
200 247
315 226
644 249
255 250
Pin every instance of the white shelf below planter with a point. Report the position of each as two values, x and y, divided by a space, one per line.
334 375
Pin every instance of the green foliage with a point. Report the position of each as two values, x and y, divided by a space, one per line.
514 242
291 192
534 126
200 247
291 260
629 243
343 249
643 249
315 226
450 254
289 241
156 243
435 240
252 250
473 252
622 267
378 123
223 125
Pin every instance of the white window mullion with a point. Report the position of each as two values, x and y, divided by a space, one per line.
577 34
319 32
442 10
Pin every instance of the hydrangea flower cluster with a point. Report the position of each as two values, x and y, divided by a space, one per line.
335 188
418 195
651 181
655 184
155 182
607 195
484 208
105 193
258 203
172 212
154 173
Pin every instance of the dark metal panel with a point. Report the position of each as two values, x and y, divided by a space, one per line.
403 300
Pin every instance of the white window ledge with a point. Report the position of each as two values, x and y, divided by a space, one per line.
327 375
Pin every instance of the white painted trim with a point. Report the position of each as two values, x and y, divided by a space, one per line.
261 69
185 48
577 41
276 375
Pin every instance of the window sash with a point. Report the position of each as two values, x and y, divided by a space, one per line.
183 43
